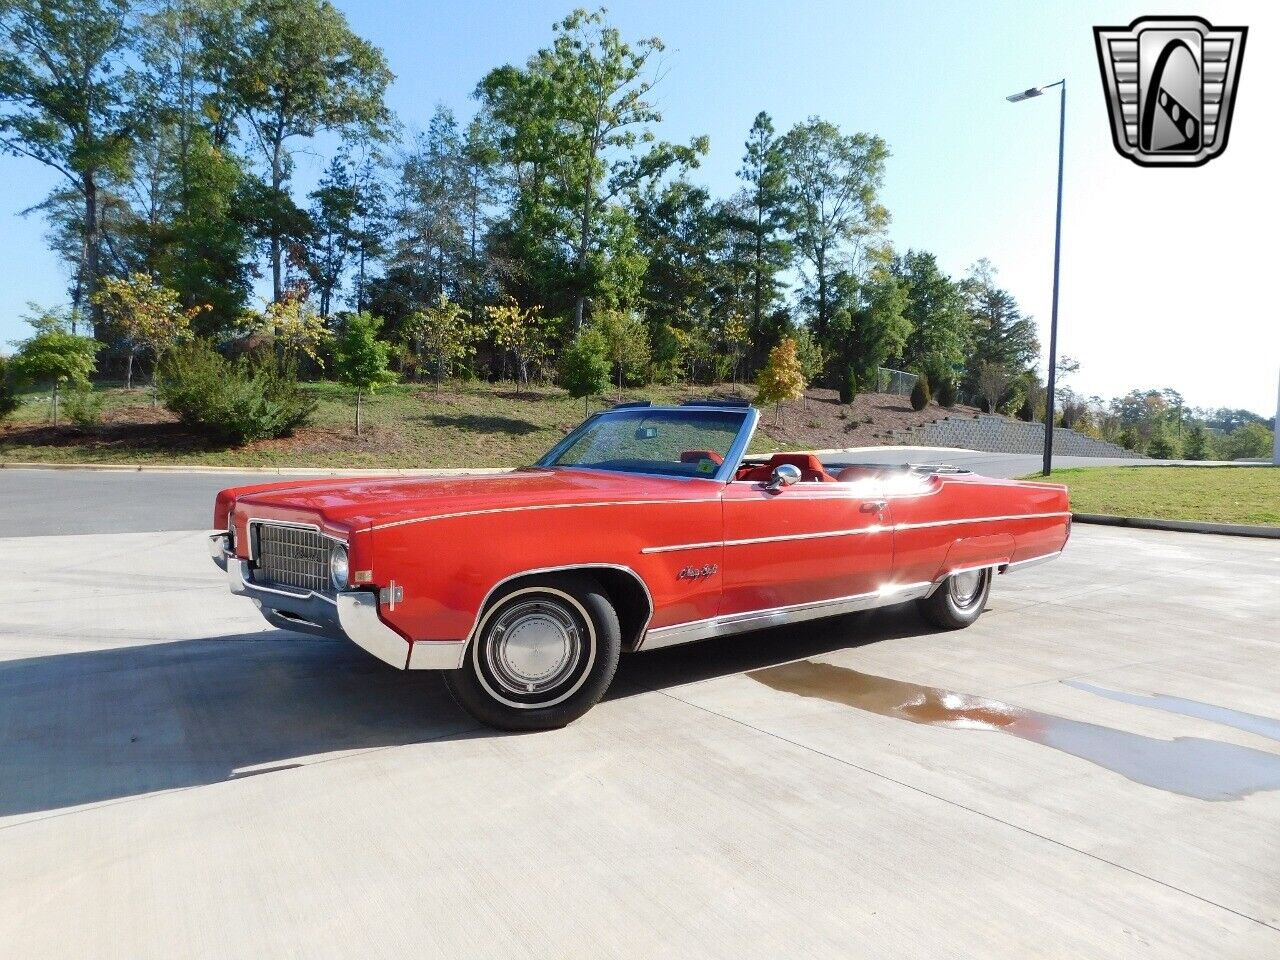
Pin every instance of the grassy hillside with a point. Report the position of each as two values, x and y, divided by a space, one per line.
408 425
1217 494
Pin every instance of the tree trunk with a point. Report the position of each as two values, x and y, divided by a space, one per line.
583 246
55 403
128 371
277 248
89 280
822 294
359 397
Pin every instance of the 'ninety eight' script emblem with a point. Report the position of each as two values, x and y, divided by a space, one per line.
1170 85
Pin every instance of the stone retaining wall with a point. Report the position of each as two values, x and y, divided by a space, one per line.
993 434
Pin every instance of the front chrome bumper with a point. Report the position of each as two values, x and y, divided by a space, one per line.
350 615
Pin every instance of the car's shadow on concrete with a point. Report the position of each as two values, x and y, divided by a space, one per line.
101 725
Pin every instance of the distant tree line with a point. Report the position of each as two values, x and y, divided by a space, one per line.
174 126
554 233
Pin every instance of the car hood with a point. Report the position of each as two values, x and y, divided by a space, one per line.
355 503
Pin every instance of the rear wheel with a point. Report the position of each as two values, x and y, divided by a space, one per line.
544 654
958 601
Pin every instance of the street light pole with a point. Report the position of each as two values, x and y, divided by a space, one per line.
1050 399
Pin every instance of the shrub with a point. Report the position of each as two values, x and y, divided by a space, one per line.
1163 445
1197 445
920 394
9 401
947 392
584 366
848 385
237 401
83 407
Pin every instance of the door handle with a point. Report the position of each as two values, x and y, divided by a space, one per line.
874 506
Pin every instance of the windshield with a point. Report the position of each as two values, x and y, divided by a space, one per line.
673 443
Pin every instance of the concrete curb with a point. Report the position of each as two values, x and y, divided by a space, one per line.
1181 526
266 471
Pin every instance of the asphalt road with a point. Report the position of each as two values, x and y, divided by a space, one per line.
1092 770
60 502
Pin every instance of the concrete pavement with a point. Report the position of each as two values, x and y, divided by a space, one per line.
176 780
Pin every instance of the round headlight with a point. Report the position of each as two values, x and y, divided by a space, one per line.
339 568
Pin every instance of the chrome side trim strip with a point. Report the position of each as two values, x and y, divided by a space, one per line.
539 506
358 615
952 523
777 616
560 569
777 539
951 572
1030 562
849 533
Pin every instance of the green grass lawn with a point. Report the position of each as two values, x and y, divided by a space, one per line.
1217 494
406 425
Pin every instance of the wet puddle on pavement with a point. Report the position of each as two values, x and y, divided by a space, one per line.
1190 766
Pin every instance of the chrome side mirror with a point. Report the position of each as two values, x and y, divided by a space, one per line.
784 475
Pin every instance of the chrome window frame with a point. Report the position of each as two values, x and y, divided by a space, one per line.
724 473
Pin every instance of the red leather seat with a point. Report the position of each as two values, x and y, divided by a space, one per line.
811 470
696 456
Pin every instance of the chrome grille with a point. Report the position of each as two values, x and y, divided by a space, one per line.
292 557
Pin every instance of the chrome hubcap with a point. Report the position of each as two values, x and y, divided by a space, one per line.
965 587
533 646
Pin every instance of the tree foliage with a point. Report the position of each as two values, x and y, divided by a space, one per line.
585 365
296 70
145 315
64 77
833 183
360 358
782 378
441 334
523 333
627 344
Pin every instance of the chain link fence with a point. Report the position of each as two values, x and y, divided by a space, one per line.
897 382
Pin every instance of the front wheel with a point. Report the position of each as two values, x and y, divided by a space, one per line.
959 599
544 654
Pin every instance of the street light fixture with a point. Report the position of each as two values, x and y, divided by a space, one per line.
1057 252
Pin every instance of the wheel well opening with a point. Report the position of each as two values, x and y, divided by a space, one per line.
630 601
626 593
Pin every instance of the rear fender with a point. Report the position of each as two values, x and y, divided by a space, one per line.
967 553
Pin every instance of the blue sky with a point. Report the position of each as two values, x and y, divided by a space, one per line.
1163 270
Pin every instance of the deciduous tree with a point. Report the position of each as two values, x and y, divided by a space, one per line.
833 183
64 75
584 366
298 70
144 315
442 333
782 378
55 355
521 331
574 124
360 359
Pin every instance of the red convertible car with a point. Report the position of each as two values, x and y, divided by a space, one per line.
645 527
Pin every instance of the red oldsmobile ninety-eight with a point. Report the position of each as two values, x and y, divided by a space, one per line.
645 527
